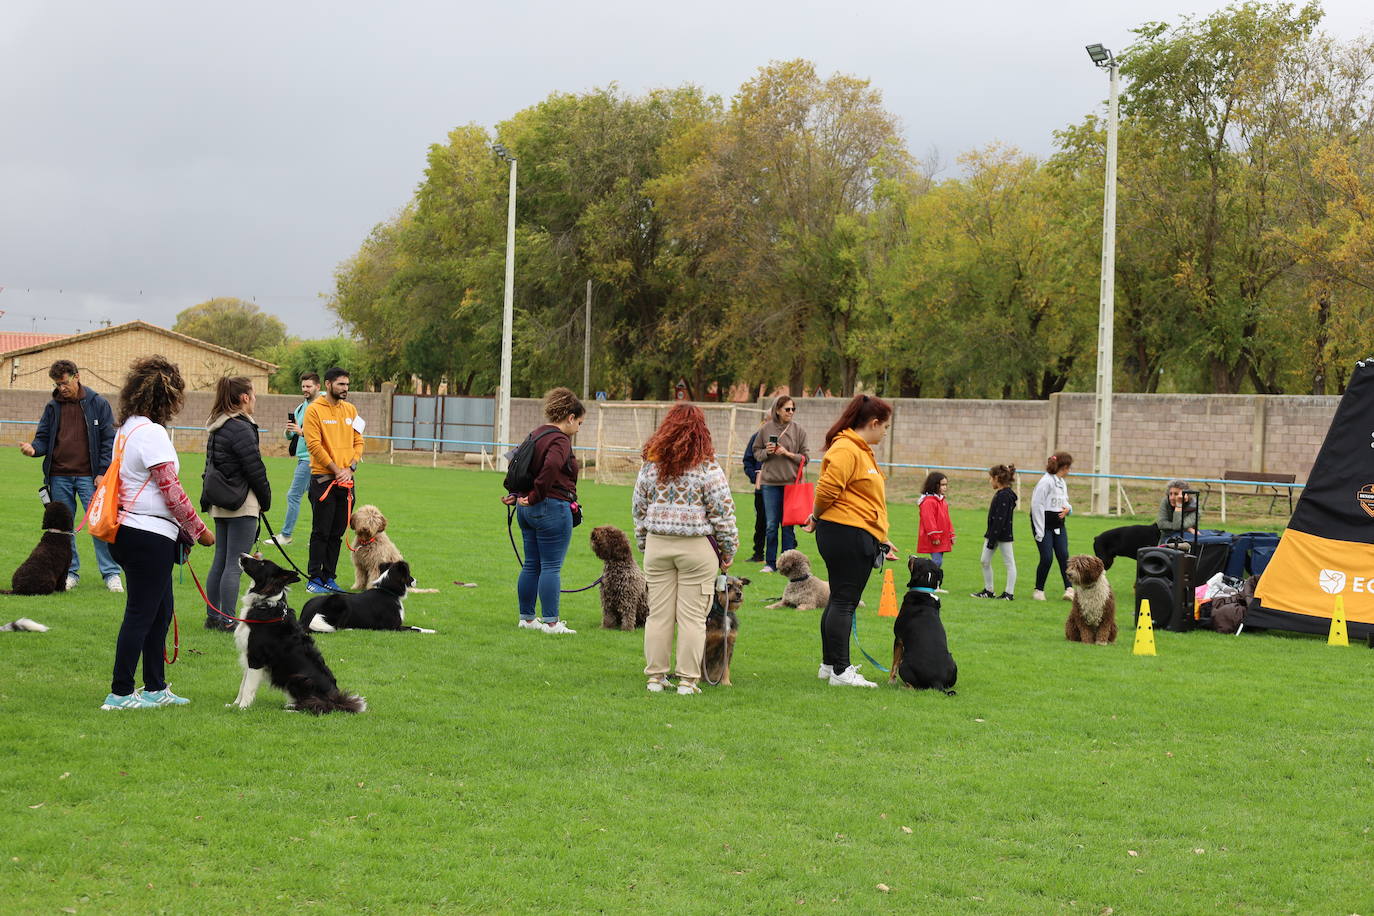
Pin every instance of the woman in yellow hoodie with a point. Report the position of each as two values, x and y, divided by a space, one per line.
850 521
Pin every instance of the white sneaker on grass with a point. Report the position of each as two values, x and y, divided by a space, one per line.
825 672
71 581
660 683
850 677
133 700
557 628
685 689
278 540
113 584
164 697
528 624
1038 595
1068 594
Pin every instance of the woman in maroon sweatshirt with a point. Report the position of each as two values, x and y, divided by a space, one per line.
545 512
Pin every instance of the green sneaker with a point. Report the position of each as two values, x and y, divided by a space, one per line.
164 697
134 700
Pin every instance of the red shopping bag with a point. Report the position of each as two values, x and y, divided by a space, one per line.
798 499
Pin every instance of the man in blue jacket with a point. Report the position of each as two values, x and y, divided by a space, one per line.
75 439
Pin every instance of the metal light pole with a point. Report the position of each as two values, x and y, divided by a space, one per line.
1106 311
587 349
507 319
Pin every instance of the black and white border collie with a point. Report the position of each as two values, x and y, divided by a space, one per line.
378 608
274 646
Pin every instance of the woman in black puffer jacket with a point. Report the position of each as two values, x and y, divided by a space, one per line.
232 450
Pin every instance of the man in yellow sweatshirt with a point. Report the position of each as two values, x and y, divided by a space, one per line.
334 436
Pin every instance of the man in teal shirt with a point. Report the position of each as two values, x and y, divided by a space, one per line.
310 389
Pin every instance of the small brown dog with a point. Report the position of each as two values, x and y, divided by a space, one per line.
1093 617
722 628
373 547
624 590
804 591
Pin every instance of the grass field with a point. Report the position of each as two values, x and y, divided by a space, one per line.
504 770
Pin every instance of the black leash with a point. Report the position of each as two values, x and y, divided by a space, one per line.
716 602
305 576
510 533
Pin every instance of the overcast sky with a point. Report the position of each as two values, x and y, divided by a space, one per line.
156 154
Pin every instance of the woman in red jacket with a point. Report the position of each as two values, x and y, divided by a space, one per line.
936 534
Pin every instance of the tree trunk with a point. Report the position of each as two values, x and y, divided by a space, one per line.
1323 338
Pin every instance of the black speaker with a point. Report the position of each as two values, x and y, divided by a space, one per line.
1164 577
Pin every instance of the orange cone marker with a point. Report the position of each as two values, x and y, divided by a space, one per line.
887 606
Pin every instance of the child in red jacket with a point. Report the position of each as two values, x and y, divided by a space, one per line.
936 535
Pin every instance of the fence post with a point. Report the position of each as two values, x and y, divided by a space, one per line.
600 439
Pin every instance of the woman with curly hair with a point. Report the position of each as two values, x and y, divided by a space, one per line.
681 502
545 512
154 514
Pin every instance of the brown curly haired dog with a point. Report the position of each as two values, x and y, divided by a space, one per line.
804 591
373 547
1093 617
624 590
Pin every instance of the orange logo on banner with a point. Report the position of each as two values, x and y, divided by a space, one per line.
1366 498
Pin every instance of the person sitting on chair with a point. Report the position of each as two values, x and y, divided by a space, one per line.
1177 511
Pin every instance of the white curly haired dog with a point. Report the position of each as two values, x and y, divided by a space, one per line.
804 591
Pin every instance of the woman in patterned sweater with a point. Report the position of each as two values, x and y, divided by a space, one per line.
681 501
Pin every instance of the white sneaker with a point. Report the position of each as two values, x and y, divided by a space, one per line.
528 624
113 584
1038 595
660 683
767 569
686 689
280 540
557 628
850 678
1068 594
825 672
71 581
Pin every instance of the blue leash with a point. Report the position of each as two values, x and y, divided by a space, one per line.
871 660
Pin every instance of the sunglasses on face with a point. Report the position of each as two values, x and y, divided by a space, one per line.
789 409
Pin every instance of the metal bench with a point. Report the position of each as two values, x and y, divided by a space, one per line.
1262 482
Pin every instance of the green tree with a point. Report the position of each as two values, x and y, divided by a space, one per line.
233 324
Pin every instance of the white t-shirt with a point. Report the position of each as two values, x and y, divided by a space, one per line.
142 505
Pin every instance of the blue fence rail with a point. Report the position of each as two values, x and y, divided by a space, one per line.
491 451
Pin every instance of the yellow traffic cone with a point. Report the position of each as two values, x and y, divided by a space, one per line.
1144 631
887 605
1337 635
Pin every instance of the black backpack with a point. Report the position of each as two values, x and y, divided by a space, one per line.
520 471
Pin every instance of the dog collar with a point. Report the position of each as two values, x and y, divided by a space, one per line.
55 531
802 579
921 588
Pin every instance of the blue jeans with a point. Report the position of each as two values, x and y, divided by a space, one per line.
547 529
66 490
299 481
772 508
938 559
1053 547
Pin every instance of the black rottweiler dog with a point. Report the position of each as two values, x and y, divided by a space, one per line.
920 652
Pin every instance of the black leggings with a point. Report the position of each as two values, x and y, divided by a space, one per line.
848 553
147 559
1058 544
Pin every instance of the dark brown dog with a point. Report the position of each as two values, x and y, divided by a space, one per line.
45 571
722 628
1093 617
624 590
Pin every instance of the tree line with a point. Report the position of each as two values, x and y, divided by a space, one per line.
789 236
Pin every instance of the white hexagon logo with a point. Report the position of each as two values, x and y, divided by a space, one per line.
1332 581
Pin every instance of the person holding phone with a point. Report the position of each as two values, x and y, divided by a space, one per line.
295 436
850 521
780 449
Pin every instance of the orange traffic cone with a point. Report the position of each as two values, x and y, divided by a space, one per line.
1337 635
1144 631
887 606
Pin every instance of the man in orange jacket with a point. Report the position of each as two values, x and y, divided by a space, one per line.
334 436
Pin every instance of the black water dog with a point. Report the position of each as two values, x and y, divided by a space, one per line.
378 608
273 646
920 652
45 571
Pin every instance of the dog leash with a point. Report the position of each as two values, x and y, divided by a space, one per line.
510 533
305 576
208 603
854 621
176 642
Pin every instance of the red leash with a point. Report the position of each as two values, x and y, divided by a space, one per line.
349 487
211 606
176 642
